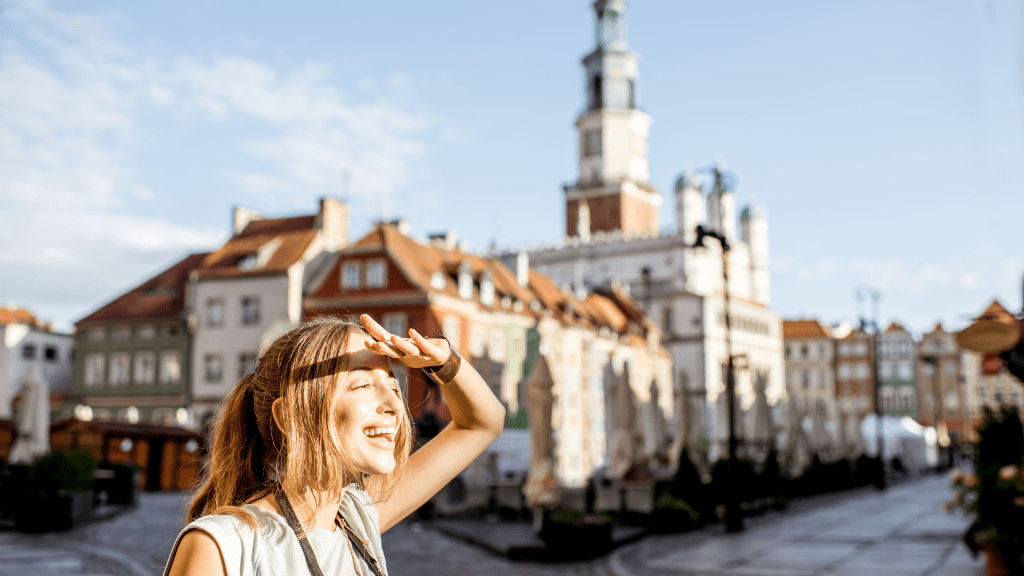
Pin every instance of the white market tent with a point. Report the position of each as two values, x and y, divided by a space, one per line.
903 438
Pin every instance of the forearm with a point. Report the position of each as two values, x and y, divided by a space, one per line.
471 403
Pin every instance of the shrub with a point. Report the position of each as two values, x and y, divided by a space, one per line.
71 471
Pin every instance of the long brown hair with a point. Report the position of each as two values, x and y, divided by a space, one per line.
250 453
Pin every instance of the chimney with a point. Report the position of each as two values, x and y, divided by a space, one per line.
332 220
242 216
445 240
519 264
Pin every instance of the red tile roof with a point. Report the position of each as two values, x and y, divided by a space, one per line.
419 262
278 243
895 327
803 329
160 297
17 316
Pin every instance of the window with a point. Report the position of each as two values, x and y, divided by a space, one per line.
120 334
50 353
497 344
377 274
477 345
250 311
145 367
146 333
246 363
862 370
789 352
28 351
819 377
451 330
96 335
804 351
905 370
215 312
248 262
666 319
592 142
396 323
887 370
844 371
862 349
928 369
821 351
350 273
214 367
94 364
805 379
120 366
170 367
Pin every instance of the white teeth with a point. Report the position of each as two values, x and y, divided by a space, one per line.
374 432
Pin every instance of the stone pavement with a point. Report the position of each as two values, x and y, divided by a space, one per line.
899 532
902 531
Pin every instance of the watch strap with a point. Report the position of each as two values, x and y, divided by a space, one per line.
445 373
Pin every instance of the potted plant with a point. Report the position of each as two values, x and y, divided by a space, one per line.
573 535
58 492
994 494
680 507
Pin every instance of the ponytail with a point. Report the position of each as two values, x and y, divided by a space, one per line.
237 470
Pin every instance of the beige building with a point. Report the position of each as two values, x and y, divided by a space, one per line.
250 290
855 385
941 384
810 382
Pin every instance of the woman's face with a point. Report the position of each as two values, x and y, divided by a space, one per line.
368 409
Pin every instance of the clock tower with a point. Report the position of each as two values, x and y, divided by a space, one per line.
612 192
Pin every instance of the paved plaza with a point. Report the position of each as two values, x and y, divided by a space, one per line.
899 532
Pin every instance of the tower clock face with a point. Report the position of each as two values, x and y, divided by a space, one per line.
592 142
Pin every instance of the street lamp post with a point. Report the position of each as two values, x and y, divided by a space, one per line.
879 428
733 516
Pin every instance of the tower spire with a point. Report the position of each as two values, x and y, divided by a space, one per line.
613 165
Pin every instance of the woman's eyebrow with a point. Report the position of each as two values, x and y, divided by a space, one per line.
370 369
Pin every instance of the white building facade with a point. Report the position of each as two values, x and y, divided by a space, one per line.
26 342
613 239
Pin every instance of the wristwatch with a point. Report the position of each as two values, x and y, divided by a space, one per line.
445 373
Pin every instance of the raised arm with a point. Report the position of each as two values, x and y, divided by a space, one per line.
477 419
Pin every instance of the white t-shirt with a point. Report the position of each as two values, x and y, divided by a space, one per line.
274 550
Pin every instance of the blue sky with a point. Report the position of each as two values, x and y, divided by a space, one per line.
885 140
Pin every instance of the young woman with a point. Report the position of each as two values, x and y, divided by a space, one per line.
311 461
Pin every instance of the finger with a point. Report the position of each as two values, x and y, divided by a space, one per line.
384 349
375 330
429 348
405 346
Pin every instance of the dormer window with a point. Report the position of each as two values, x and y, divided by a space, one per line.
248 262
465 280
486 288
350 275
438 281
377 274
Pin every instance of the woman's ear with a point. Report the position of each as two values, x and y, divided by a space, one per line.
277 409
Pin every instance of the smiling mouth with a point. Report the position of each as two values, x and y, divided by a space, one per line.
387 433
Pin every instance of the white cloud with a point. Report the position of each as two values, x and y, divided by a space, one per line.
69 130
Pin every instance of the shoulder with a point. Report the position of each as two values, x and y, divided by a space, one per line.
223 540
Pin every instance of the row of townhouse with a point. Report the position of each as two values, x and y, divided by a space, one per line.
932 379
585 373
